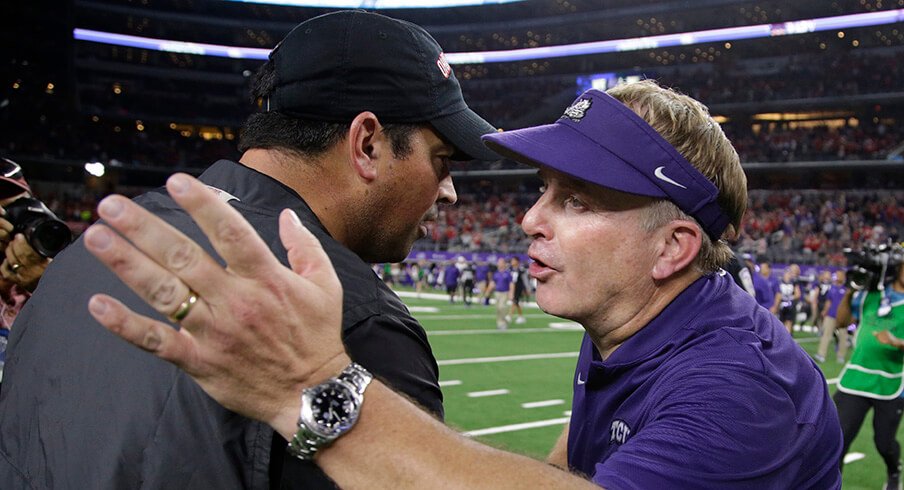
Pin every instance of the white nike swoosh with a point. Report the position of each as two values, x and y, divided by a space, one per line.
581 381
661 176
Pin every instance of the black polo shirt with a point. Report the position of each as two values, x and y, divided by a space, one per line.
80 408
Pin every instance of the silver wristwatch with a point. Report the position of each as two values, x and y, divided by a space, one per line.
329 410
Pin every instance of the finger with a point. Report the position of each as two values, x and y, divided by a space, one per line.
163 244
158 338
6 271
11 255
229 233
24 252
6 228
162 290
306 255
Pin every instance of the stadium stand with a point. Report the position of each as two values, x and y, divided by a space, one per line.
816 110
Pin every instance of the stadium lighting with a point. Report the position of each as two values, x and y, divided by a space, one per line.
380 4
96 169
596 47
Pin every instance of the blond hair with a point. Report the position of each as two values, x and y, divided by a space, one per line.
687 125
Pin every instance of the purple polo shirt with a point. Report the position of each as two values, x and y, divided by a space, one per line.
764 290
834 297
503 280
481 272
450 277
712 393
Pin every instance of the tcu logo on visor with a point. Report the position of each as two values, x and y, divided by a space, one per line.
444 67
578 110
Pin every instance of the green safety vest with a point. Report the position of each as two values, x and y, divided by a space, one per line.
876 370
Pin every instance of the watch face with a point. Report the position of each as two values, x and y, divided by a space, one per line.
334 408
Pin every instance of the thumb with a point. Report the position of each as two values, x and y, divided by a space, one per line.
306 256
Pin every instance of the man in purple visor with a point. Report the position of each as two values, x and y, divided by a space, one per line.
683 381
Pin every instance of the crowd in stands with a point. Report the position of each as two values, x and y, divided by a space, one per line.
821 143
806 227
815 227
811 227
508 102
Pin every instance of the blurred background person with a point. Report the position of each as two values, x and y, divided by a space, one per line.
520 291
786 298
22 265
467 280
874 377
764 288
828 319
817 297
450 279
501 286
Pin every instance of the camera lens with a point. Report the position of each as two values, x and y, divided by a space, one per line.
49 237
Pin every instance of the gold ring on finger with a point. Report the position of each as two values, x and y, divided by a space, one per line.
185 307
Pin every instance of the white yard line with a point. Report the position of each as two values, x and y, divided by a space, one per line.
851 457
458 300
451 382
523 357
474 331
480 316
481 394
516 427
544 403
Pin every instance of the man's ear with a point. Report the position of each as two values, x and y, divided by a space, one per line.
365 144
680 242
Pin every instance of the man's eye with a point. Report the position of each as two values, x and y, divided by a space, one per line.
574 202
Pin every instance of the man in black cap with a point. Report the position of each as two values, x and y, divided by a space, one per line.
362 114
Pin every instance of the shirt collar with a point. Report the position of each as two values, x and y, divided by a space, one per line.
664 331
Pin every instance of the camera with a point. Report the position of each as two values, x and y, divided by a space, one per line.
868 264
46 233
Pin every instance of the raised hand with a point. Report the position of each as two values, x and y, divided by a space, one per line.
252 334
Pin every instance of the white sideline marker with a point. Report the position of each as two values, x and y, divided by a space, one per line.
515 427
851 457
544 403
485 331
424 309
451 382
481 394
831 381
522 357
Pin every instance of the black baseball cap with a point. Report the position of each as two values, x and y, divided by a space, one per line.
335 66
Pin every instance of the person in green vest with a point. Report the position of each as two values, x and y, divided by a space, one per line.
874 377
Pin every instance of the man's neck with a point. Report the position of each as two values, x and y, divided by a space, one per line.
315 181
612 332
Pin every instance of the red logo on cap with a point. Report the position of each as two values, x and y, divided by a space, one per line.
444 65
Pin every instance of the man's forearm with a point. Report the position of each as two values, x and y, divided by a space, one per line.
397 445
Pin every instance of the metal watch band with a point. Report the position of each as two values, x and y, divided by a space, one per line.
355 375
306 442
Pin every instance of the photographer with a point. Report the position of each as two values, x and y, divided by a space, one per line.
22 266
873 377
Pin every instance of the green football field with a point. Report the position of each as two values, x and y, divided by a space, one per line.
512 389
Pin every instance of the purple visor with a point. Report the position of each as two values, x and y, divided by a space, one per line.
602 141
